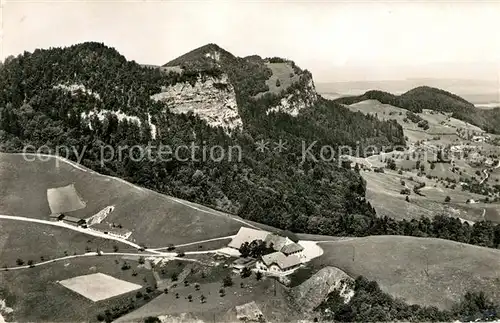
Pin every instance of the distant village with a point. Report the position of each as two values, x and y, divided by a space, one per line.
265 252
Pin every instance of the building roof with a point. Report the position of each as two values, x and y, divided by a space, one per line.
72 219
277 241
291 248
281 260
247 235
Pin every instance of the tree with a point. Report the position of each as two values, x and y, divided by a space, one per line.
222 292
176 295
115 248
138 294
141 260
190 298
175 276
203 299
447 199
165 291
19 262
227 281
407 199
258 275
30 263
278 83
152 319
246 272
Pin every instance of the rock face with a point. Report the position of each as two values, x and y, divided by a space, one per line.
300 99
313 291
74 88
213 99
101 115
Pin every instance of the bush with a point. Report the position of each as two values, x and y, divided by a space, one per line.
447 199
227 281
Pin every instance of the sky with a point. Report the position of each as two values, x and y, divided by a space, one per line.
335 40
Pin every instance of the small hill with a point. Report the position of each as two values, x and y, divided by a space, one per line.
425 97
422 271
314 290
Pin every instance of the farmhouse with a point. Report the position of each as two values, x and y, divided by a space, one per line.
277 242
292 249
74 220
67 218
278 263
111 230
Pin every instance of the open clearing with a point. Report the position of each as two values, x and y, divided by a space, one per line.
98 286
424 271
23 192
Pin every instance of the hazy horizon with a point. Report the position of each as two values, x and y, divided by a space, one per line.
336 41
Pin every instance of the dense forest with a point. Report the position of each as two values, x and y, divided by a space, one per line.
425 97
279 189
371 304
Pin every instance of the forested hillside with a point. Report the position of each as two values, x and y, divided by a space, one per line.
54 97
425 97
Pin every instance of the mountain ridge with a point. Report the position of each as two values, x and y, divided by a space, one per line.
283 189
426 97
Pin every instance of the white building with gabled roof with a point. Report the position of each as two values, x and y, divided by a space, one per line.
277 263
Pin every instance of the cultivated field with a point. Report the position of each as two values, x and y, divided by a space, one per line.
35 295
156 220
64 199
98 286
422 271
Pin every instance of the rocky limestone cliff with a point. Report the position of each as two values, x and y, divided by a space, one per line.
313 291
213 99
299 99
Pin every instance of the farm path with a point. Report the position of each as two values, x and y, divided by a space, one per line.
152 252
70 227
103 254
487 173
